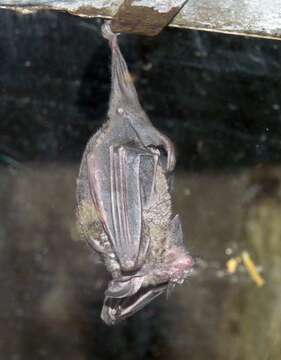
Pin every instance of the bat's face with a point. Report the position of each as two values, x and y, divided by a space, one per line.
146 285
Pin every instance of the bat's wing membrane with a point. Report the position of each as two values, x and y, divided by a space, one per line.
121 206
126 204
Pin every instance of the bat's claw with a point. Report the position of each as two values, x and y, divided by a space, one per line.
108 34
171 162
170 149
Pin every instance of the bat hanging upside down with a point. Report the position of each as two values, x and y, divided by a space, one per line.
124 203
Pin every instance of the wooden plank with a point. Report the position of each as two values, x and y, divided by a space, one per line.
135 16
244 17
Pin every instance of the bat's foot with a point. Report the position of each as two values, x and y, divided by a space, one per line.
108 34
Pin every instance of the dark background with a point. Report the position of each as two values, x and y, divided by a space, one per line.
218 98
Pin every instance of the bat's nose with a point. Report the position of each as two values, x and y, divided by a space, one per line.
186 262
189 261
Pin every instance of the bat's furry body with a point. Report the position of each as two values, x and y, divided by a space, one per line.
124 203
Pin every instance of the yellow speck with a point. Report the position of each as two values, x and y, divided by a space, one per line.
232 264
252 270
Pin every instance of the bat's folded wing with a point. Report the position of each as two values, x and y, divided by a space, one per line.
119 195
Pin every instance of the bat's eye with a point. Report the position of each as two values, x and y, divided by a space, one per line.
120 111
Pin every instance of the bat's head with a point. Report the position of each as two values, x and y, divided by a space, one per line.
129 294
125 296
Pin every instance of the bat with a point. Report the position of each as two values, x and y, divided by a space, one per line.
124 208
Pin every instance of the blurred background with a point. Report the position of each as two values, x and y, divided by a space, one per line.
218 97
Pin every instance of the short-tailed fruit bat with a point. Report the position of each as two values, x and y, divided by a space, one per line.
124 203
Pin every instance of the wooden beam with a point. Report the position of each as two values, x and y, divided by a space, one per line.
243 17
137 17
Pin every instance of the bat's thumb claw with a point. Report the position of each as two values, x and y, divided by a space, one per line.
170 150
171 161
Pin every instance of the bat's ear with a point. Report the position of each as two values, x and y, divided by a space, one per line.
123 287
175 234
117 309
